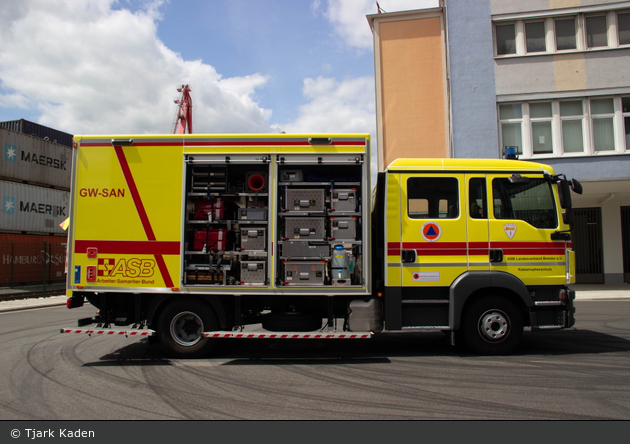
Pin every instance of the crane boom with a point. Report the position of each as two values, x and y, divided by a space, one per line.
183 118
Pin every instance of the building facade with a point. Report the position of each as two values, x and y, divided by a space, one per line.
549 77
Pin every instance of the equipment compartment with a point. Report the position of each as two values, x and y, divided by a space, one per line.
313 228
253 272
304 249
305 200
304 272
344 200
253 239
343 228
224 197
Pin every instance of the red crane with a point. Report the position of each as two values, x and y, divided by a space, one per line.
183 118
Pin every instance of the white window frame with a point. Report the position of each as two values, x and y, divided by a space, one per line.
533 120
520 120
585 129
545 29
626 11
623 117
594 117
578 14
554 41
587 119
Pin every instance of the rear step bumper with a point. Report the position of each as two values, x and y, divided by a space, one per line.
224 334
108 332
286 335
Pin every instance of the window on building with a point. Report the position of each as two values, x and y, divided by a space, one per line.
541 118
535 36
596 31
571 116
584 126
603 113
623 26
606 28
506 39
432 198
565 34
511 117
531 202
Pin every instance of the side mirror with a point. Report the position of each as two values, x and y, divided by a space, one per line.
576 186
564 193
561 235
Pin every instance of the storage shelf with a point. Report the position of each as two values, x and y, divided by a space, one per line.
321 184
221 194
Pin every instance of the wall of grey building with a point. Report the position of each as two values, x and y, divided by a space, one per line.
591 167
471 79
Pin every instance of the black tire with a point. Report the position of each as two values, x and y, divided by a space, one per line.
291 322
180 327
492 325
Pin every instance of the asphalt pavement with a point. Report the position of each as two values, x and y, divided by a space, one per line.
583 292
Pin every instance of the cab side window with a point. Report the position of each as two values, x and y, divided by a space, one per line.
531 202
477 193
432 198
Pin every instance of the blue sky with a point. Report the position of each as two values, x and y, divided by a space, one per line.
106 66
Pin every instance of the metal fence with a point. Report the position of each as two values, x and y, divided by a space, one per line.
32 262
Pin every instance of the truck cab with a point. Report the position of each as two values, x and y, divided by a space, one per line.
473 247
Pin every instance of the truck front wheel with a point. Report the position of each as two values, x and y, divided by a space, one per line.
492 326
180 328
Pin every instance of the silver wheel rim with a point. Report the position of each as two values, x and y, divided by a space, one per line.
494 325
186 328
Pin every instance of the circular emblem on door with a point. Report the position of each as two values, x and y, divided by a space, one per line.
431 231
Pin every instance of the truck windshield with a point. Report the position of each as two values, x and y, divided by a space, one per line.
531 202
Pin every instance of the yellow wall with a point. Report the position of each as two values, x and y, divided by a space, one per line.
412 89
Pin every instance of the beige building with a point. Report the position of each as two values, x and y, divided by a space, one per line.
549 77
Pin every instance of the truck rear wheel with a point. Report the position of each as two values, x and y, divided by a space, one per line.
180 327
492 326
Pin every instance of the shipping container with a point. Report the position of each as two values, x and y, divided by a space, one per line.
29 159
40 131
27 208
31 260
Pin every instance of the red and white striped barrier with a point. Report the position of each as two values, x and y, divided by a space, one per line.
242 335
106 332
223 334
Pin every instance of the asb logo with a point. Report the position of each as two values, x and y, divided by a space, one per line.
431 231
133 267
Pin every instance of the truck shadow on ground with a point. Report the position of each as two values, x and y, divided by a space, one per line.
379 349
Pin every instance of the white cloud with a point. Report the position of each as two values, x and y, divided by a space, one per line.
91 68
335 106
348 17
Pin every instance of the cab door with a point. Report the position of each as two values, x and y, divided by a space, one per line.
523 217
433 229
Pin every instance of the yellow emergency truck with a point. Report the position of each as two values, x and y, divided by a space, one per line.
191 239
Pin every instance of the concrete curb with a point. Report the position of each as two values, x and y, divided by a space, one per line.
27 304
